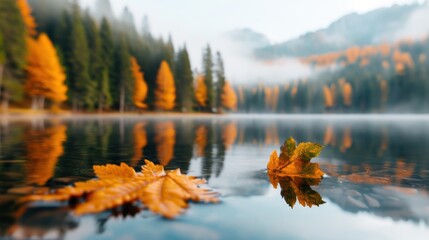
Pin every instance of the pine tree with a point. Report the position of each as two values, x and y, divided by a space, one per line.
107 45
13 29
146 27
220 77
140 86
45 75
184 81
201 92
28 19
208 77
96 64
82 88
104 97
165 93
229 98
122 80
169 52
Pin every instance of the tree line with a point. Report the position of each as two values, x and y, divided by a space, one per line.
367 79
54 54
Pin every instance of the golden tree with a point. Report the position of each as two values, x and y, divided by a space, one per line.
201 91
45 75
229 98
329 98
347 94
165 93
28 19
140 86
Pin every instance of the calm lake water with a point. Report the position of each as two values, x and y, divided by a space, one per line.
376 184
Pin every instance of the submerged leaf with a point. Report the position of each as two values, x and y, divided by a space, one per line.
295 160
164 193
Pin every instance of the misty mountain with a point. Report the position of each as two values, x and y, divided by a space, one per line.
248 38
379 25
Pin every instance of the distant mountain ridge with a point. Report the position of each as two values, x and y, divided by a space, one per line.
379 25
248 38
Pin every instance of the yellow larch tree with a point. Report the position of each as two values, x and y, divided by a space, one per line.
45 75
165 93
201 91
229 98
28 19
329 99
347 94
140 86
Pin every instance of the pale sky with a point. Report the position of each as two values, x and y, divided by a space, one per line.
198 22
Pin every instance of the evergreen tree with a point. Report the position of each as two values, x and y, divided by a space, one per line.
96 64
146 27
165 93
184 81
122 81
82 89
169 52
13 29
104 97
208 77
107 44
220 77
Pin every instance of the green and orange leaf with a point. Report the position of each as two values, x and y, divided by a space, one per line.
295 160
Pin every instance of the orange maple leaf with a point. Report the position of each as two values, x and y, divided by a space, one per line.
163 192
295 160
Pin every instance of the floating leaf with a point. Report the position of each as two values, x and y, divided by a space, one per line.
295 174
295 160
164 192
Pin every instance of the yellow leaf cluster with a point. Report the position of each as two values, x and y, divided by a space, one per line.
165 93
163 192
201 91
140 86
229 98
294 161
45 75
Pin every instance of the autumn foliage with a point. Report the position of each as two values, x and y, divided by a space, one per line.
295 174
163 192
140 86
295 160
201 91
45 75
229 98
28 19
165 93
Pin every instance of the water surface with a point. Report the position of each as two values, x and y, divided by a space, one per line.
376 184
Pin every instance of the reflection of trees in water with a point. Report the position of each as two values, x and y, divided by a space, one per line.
44 147
140 141
165 139
219 138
